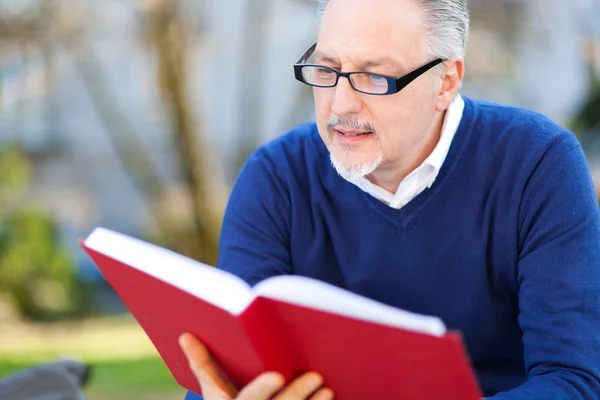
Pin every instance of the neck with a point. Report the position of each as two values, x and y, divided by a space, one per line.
389 177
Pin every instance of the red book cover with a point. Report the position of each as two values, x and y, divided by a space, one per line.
364 349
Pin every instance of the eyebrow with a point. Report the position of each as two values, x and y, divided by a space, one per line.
373 63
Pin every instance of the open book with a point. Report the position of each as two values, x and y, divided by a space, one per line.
290 324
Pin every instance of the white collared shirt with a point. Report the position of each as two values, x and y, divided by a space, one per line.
424 175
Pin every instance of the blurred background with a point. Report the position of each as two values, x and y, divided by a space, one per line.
136 115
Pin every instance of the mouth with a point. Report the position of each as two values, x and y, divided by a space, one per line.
351 133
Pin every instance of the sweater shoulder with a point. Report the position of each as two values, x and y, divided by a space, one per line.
302 137
293 152
520 125
518 134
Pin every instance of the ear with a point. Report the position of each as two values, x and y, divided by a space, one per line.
454 71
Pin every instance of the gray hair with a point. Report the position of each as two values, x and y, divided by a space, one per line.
447 22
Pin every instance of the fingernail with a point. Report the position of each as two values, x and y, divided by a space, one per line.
328 394
182 338
316 379
277 379
183 342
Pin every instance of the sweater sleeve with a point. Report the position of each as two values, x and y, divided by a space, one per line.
254 242
559 279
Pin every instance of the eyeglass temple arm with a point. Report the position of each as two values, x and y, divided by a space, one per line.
307 54
411 76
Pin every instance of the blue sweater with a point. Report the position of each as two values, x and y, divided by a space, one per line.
504 246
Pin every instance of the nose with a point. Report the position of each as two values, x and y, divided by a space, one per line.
346 100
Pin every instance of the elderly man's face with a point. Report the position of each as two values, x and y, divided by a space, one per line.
365 132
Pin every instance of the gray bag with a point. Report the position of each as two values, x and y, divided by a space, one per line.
61 380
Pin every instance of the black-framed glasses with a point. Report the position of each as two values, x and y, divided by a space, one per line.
364 82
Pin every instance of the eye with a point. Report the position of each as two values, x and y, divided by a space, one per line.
377 80
324 72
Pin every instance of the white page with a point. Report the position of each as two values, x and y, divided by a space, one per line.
222 289
322 296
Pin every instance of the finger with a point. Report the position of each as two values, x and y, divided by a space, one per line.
204 368
302 387
263 387
323 394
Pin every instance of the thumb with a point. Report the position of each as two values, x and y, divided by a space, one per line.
212 382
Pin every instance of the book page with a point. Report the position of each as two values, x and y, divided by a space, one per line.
323 296
218 287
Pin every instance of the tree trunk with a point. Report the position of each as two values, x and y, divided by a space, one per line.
167 35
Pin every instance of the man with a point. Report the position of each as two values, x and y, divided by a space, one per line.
481 214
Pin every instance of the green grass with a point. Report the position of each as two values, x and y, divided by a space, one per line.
149 374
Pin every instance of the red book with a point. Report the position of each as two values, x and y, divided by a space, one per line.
291 324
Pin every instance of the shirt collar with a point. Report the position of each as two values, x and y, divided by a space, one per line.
451 122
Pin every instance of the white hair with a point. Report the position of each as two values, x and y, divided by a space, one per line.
447 22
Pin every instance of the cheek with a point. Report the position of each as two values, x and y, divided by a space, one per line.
401 120
322 110
322 103
392 121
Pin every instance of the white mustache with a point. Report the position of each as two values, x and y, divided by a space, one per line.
336 121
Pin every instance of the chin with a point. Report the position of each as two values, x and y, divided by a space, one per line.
354 169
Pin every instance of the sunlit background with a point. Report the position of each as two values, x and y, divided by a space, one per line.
136 115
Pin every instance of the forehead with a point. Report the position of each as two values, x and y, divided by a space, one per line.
365 29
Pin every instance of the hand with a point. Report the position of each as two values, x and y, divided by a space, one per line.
265 386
